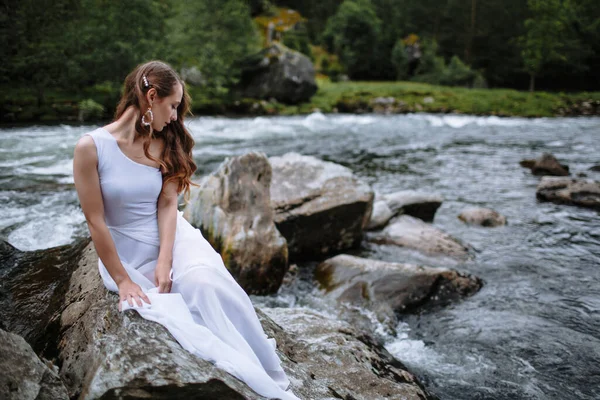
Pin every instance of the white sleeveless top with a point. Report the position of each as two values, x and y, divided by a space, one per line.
130 193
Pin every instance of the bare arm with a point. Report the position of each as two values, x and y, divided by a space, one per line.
167 223
87 184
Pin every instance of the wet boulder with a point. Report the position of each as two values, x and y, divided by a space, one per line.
24 376
417 204
413 233
232 208
387 287
109 354
380 216
277 72
32 291
329 359
547 164
320 207
482 216
577 192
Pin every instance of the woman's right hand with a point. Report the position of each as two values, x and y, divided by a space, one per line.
130 291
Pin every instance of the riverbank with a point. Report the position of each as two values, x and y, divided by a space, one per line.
21 105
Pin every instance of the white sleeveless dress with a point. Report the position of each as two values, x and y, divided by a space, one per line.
207 312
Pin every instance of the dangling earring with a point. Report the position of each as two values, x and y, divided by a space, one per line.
144 122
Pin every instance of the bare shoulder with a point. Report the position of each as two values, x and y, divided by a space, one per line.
85 143
85 149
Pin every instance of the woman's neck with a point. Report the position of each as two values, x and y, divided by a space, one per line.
124 127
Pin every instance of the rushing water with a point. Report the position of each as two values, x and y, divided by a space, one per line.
532 332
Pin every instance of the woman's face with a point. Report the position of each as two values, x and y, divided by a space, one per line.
165 109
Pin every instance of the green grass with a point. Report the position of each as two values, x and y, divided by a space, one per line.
501 102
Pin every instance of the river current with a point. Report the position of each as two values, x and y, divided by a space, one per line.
532 332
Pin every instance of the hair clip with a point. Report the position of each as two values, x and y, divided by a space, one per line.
146 84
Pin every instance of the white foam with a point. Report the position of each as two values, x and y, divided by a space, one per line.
64 167
43 233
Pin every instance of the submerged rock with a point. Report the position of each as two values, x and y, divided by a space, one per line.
232 208
417 204
578 192
320 207
24 376
483 217
386 287
329 359
547 164
411 232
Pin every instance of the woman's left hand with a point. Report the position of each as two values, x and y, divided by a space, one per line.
161 277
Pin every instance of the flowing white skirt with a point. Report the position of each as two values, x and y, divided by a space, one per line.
207 311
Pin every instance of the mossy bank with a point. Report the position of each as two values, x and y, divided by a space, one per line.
22 106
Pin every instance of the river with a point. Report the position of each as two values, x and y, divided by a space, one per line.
532 332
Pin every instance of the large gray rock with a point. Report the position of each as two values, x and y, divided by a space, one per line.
280 73
320 207
32 290
411 232
24 376
482 216
329 359
112 355
578 192
387 287
417 204
232 208
547 164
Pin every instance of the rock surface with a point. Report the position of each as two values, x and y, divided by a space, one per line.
413 233
280 73
232 208
320 207
24 376
417 204
380 216
385 286
32 289
483 217
329 359
547 164
578 192
112 355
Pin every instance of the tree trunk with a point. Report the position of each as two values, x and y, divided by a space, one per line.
531 82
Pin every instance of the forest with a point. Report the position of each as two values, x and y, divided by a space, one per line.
81 50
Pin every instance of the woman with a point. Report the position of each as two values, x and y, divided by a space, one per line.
128 175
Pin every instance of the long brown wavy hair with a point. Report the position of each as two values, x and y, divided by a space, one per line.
176 161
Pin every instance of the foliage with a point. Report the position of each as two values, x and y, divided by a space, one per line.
400 60
353 33
212 35
88 109
546 35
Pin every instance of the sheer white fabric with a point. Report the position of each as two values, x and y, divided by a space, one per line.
207 312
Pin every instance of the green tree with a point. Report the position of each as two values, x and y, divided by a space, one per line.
212 35
33 47
353 34
108 39
545 37
400 60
